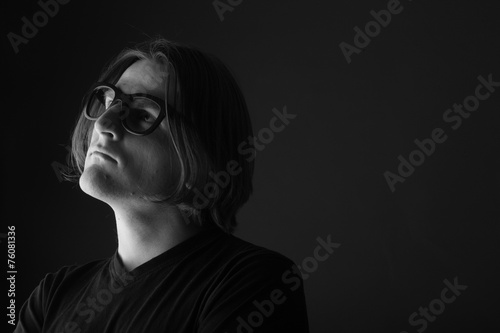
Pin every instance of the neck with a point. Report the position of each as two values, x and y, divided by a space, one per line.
146 232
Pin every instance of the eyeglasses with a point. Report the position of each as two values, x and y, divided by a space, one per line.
141 116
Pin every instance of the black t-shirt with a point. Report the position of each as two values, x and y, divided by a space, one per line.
212 282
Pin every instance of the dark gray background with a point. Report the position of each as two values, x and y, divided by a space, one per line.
323 175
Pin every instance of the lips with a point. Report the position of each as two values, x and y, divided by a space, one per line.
103 154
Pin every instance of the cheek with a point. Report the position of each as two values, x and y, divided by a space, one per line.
161 162
93 136
166 162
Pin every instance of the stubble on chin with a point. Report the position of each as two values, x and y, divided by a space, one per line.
97 183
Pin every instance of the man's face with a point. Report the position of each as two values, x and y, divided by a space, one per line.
120 166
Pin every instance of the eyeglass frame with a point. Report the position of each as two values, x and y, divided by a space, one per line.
119 96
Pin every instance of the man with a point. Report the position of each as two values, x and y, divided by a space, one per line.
158 141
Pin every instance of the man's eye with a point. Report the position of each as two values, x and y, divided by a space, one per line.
143 115
146 116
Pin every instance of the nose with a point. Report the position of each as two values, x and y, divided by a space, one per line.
109 123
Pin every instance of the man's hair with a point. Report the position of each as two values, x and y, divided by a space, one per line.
210 122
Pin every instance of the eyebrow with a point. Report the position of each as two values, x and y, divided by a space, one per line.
122 85
143 102
142 90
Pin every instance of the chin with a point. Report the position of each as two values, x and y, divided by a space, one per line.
97 183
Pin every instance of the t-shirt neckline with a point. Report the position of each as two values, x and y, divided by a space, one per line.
121 275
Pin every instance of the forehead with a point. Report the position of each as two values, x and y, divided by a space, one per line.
144 76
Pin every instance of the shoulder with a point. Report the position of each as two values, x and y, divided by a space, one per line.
53 280
242 263
254 278
245 254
